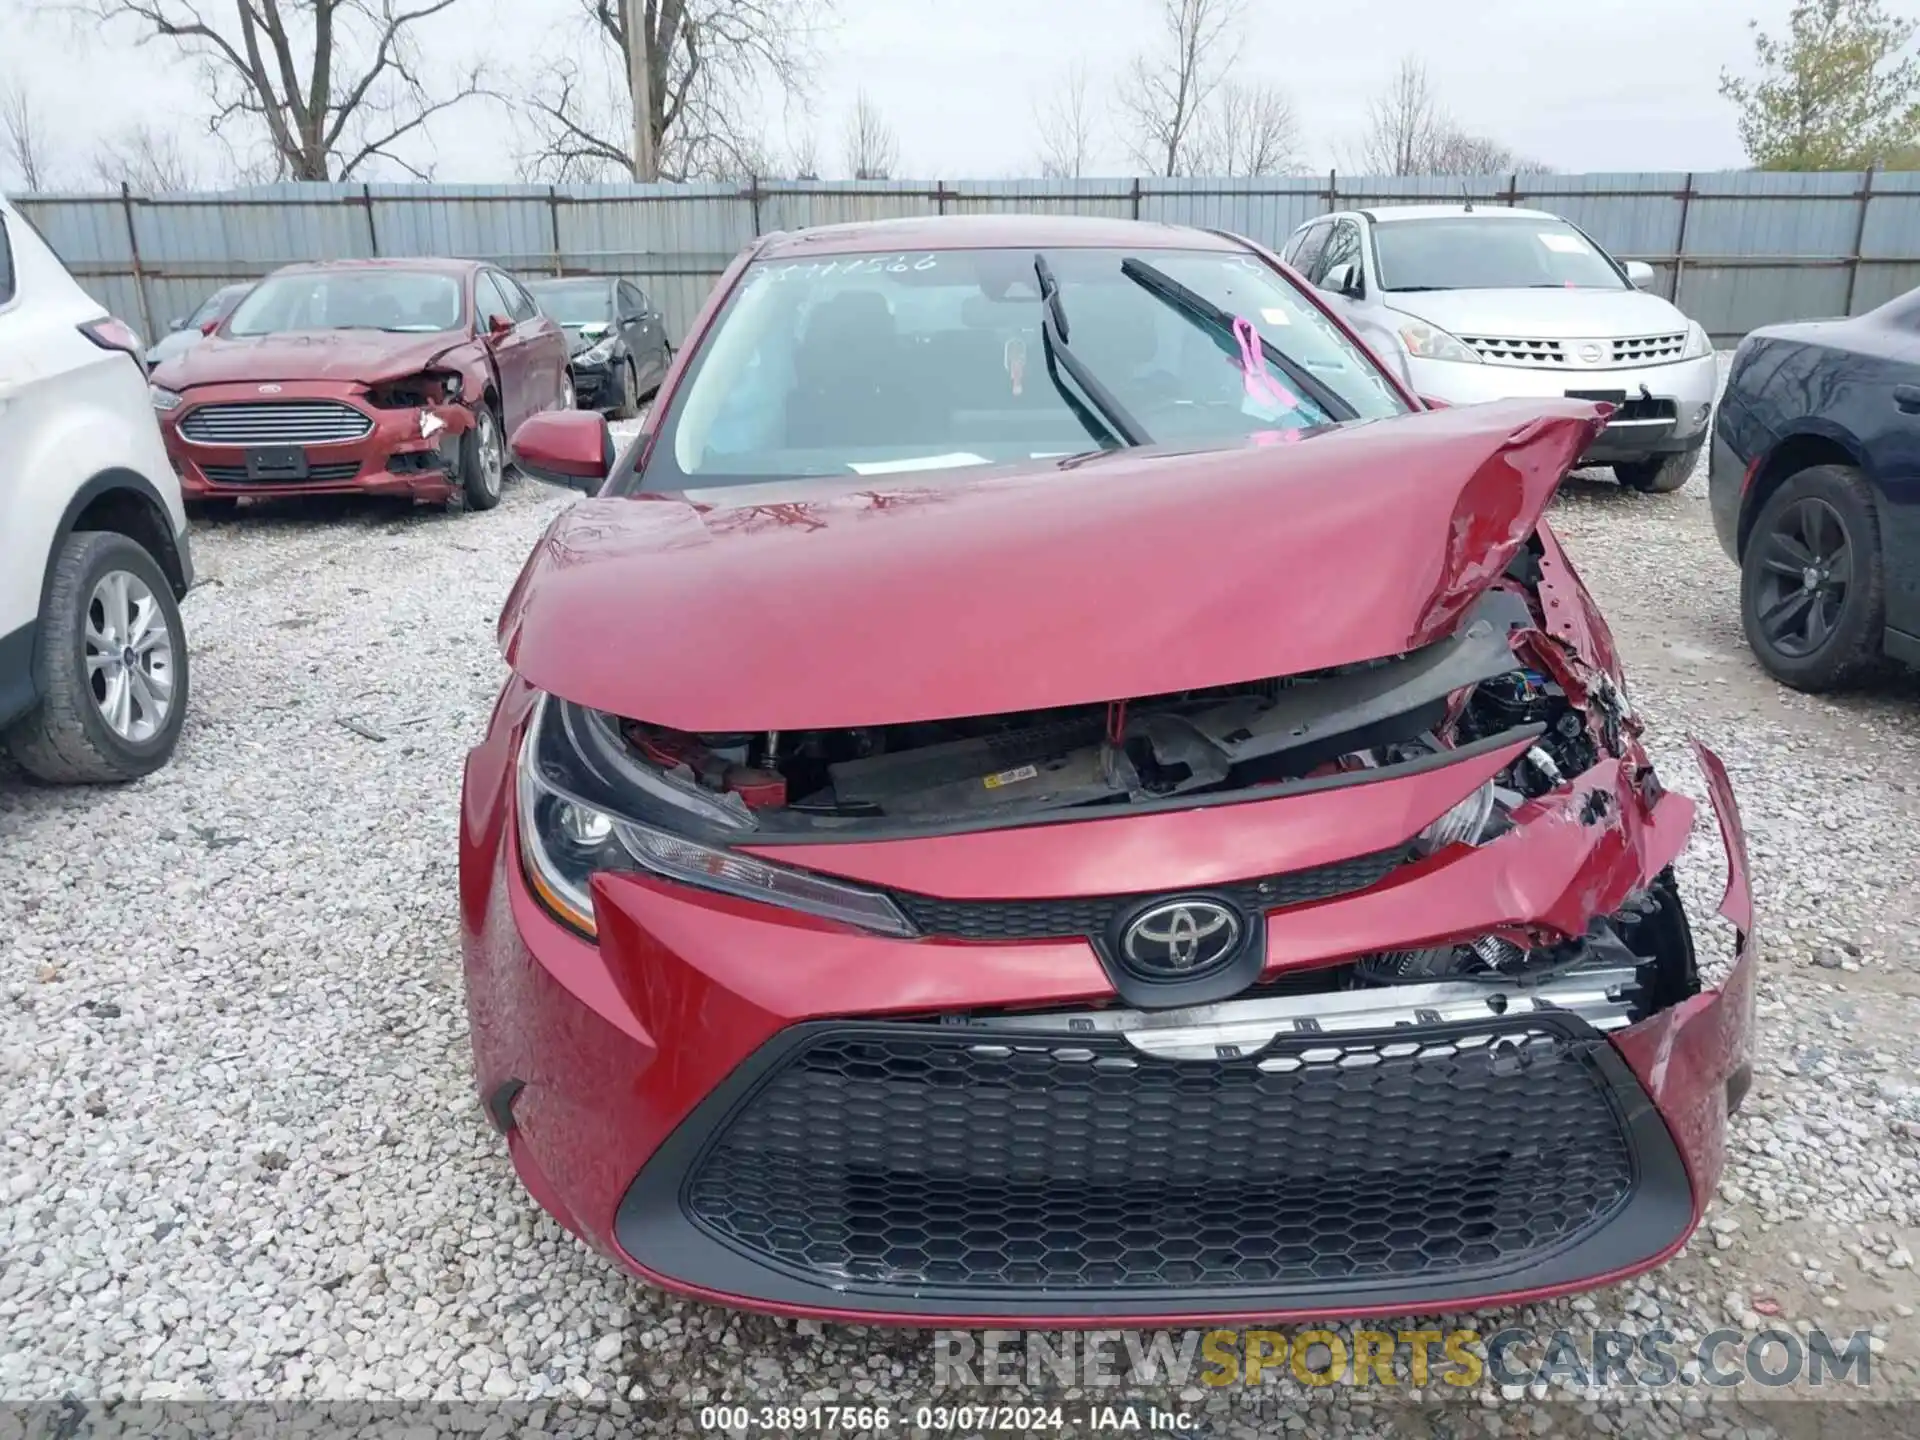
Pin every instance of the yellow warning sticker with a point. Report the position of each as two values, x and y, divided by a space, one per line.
1010 777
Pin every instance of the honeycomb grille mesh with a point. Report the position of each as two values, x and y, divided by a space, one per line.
918 1156
1091 915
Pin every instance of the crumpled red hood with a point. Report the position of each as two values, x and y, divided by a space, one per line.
333 355
830 604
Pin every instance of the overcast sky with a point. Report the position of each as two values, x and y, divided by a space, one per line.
1593 85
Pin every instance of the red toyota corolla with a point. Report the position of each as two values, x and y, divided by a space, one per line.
1046 789
365 377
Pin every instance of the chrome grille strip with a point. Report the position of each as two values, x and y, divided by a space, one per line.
1601 997
312 422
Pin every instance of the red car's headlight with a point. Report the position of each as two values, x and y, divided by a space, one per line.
566 838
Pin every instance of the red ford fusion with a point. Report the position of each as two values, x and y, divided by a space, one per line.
369 377
1047 789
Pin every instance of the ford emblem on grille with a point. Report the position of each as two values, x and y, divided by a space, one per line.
1179 938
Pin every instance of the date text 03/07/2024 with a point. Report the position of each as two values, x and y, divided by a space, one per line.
960 1419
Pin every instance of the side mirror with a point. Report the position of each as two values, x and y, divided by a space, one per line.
1344 279
179 322
573 448
498 326
1640 273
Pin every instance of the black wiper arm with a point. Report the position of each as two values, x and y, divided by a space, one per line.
1203 311
1113 416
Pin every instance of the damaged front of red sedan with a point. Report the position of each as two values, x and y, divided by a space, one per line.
394 378
1184 879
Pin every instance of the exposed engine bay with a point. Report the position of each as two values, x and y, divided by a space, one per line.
1494 678
1500 678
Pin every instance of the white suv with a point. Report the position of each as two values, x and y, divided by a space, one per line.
93 545
1486 303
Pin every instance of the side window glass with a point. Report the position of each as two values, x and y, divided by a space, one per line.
518 300
1310 247
1343 248
6 263
490 302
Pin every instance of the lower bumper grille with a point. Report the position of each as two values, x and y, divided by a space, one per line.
332 472
1004 1169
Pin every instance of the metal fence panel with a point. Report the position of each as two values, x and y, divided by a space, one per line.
1734 250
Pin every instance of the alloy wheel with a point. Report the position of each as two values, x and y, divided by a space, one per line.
129 656
492 460
1807 565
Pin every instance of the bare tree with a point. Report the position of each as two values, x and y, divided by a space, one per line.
872 149
1404 124
803 156
1064 122
1410 133
1248 130
25 145
145 159
335 84
1455 152
708 63
1165 92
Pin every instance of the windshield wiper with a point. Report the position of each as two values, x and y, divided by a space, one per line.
1203 311
1112 416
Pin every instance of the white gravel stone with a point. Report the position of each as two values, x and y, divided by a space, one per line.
243 1160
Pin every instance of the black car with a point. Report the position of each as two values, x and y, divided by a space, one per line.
619 341
1815 483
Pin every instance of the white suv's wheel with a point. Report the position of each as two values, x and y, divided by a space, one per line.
111 667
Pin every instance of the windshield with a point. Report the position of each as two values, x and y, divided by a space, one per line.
870 364
1491 252
407 301
575 302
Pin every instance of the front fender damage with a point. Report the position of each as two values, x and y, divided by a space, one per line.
1695 1059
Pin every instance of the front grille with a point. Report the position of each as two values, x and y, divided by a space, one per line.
961 1157
1580 354
333 471
1091 915
1649 349
291 422
1517 352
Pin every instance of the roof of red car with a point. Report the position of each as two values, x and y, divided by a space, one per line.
420 262
985 232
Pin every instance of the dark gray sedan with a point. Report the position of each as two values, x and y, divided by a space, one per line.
618 339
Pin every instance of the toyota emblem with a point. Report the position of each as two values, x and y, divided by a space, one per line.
1178 938
269 389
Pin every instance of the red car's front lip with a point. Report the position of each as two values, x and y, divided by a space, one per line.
394 433
596 1054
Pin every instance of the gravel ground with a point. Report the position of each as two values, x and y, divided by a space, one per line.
243 1161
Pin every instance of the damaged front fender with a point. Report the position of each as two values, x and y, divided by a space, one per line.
1696 1058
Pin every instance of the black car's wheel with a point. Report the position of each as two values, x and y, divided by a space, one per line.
483 461
111 667
1661 475
628 404
1812 589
